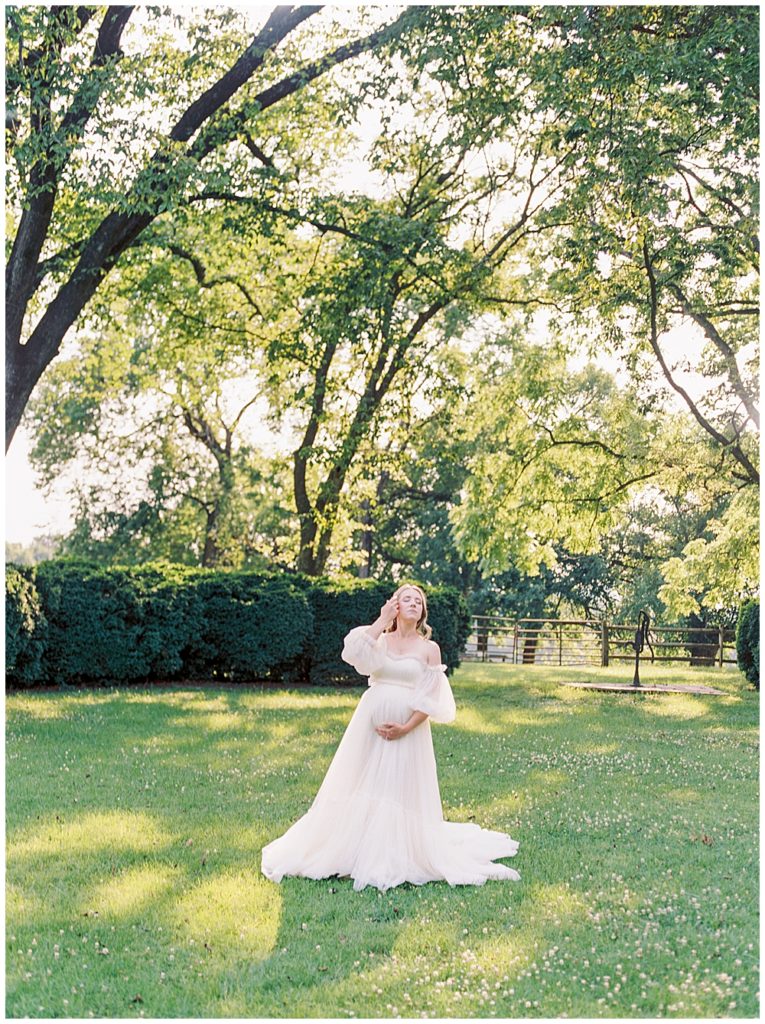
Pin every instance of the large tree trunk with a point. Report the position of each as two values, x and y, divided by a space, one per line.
306 562
23 368
25 363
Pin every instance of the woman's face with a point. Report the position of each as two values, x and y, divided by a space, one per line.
410 605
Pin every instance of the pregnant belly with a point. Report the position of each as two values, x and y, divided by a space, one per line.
389 703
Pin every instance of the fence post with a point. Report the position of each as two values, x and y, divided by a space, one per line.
515 642
604 644
722 641
560 644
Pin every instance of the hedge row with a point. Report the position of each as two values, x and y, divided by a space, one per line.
73 622
748 641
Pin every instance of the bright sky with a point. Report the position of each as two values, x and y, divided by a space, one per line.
30 513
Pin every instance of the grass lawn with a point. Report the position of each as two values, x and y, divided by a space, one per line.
135 820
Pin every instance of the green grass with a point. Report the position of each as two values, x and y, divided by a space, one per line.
135 820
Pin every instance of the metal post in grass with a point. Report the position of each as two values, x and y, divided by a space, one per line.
722 644
642 637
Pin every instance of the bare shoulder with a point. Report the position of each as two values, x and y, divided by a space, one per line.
434 652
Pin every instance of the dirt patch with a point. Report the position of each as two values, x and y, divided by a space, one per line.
651 688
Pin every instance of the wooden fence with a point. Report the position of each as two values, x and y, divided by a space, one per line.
592 642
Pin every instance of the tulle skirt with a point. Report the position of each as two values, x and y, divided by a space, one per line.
377 816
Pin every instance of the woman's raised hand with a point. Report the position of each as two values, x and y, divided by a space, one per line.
389 610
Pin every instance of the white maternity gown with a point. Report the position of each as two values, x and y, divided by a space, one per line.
377 816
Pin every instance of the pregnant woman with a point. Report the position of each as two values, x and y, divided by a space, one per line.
377 817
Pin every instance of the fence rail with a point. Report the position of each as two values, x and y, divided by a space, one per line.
592 642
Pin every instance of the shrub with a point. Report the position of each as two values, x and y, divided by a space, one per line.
449 616
71 621
338 607
748 641
253 626
172 615
25 627
102 622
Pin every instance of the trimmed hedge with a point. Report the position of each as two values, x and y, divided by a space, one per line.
748 641
25 626
115 624
71 622
254 626
338 607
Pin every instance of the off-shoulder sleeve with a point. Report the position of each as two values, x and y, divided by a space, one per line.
362 651
434 696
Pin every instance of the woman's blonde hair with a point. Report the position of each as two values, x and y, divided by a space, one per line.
422 626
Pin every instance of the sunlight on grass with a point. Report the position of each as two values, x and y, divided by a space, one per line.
21 905
542 781
516 717
597 748
683 794
212 721
556 901
42 710
144 697
57 705
414 939
239 909
120 830
472 718
282 734
132 890
292 700
498 810
677 705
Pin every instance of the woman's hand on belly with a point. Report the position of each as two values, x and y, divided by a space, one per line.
391 730
394 731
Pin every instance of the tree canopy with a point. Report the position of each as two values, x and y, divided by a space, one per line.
447 259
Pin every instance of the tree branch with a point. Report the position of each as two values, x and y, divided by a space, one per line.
118 230
199 428
200 272
579 443
723 348
233 125
21 279
281 22
703 422
294 215
256 151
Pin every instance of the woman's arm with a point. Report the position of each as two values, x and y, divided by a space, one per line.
394 731
388 613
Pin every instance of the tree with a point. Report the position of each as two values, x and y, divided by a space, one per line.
546 165
662 231
38 550
174 335
719 571
608 436
660 234
74 216
556 455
